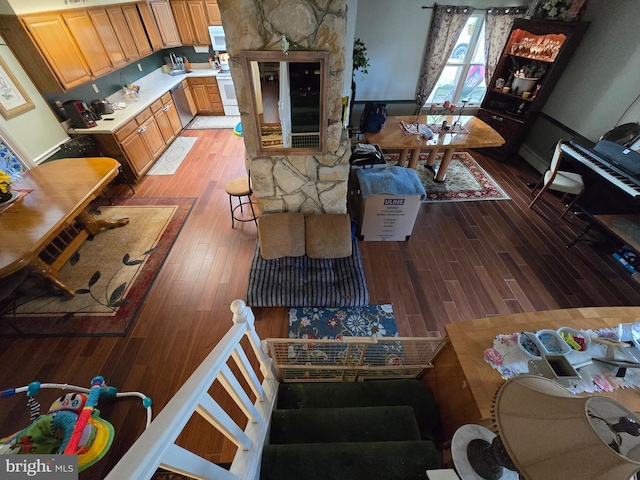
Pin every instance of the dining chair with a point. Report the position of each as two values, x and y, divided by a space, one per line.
568 183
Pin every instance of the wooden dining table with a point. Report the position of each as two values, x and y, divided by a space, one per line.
53 198
466 132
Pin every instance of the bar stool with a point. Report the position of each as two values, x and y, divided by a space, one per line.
240 187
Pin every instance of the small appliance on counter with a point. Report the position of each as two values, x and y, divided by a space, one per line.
79 114
101 106
224 62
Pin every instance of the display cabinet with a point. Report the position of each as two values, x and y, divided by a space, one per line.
533 59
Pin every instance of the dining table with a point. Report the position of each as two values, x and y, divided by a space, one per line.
446 133
48 220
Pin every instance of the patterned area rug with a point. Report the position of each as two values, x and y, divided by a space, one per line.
332 323
171 160
112 273
466 180
212 122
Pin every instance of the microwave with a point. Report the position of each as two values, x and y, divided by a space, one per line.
216 32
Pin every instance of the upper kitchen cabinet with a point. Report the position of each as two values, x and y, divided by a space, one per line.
150 25
213 12
57 45
108 36
137 29
125 37
192 21
166 24
88 41
531 64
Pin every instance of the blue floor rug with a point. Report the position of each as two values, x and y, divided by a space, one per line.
332 323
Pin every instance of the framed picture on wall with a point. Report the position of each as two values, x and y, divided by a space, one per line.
13 99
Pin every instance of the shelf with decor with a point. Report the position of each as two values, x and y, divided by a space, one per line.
532 61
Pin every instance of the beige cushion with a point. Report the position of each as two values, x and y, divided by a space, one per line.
328 235
281 235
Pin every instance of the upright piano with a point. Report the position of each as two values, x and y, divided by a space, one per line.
611 174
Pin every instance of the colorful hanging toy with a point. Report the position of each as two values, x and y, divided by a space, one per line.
72 425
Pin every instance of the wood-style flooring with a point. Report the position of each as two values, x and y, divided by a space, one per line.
465 260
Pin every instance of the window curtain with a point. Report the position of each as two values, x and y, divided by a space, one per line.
447 22
498 23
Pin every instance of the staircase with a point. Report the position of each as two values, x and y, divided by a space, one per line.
379 429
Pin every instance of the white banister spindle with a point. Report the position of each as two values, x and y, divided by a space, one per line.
184 462
230 383
156 446
248 373
216 416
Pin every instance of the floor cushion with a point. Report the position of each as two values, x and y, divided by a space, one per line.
328 235
281 235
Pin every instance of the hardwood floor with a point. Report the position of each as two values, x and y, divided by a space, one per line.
465 260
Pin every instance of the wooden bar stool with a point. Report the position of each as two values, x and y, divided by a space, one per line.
240 187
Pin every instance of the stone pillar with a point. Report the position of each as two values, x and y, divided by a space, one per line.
294 183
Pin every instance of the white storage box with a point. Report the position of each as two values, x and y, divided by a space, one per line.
389 202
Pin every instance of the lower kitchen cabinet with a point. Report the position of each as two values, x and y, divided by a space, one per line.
167 118
206 95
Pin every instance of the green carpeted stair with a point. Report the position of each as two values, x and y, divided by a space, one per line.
372 430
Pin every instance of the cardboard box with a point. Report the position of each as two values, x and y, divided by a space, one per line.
370 161
389 217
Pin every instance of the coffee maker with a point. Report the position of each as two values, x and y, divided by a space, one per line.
79 113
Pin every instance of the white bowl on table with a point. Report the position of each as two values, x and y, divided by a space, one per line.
552 343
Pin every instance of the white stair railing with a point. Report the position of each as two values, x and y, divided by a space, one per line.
156 447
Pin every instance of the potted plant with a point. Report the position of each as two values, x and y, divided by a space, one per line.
360 62
6 182
526 76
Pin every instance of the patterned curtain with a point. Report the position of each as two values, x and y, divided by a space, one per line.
447 22
498 24
9 163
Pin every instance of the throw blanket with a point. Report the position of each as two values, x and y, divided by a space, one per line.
304 281
390 181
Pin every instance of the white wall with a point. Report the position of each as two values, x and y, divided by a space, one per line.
603 78
600 83
36 134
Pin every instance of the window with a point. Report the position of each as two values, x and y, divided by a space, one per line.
463 76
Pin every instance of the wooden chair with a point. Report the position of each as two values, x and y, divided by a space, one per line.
568 183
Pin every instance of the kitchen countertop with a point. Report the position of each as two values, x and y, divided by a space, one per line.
152 87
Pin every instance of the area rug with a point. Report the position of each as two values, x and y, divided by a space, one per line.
466 180
301 281
173 157
311 323
332 323
213 122
112 273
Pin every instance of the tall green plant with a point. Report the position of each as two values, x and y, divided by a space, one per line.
360 57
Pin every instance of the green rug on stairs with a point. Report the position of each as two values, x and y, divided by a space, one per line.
371 430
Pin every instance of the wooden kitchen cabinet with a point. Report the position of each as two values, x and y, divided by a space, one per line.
150 26
189 95
121 27
88 41
167 118
166 23
57 45
142 142
540 49
137 29
192 21
206 95
108 36
213 12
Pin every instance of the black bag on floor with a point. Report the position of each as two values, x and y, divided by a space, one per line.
373 117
